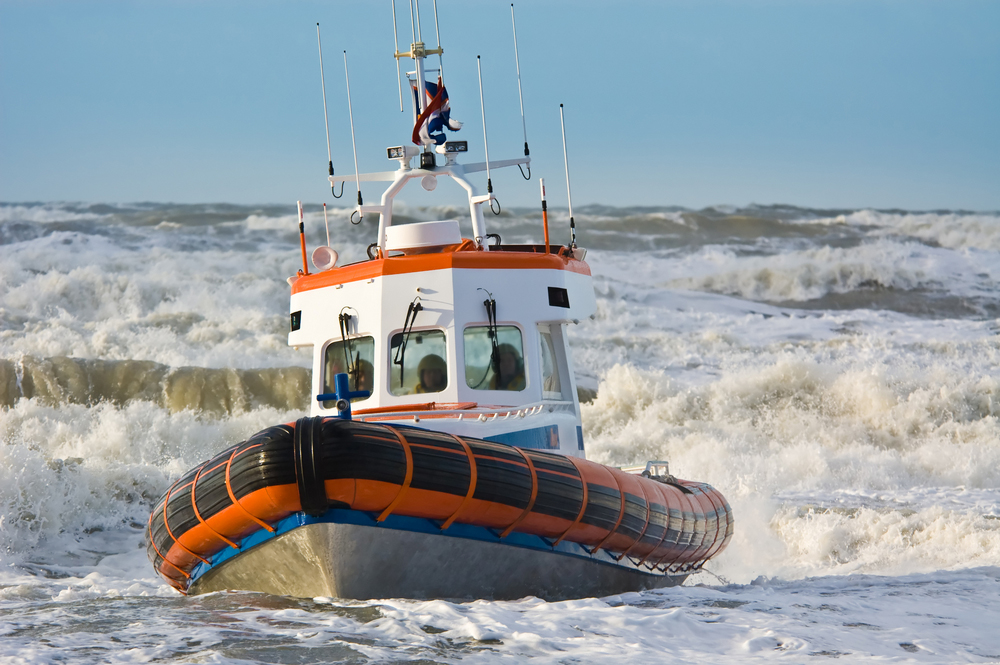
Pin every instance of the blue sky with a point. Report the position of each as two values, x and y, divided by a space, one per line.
814 103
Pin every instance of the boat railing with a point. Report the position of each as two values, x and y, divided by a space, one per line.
469 414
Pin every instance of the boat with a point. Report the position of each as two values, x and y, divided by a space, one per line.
444 453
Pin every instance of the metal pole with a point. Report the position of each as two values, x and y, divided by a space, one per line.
520 95
486 143
420 37
350 110
326 220
302 240
395 50
437 32
545 216
569 192
326 117
413 23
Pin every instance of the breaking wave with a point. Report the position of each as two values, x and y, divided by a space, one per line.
840 436
215 392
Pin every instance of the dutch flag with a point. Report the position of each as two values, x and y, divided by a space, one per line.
436 115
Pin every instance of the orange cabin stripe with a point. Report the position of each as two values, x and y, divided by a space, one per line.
473 477
232 497
460 259
406 481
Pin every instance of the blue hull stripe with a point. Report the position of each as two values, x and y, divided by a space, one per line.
420 525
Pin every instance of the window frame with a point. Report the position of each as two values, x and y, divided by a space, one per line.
559 357
524 359
390 367
326 384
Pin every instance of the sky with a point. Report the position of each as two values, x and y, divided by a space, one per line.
816 103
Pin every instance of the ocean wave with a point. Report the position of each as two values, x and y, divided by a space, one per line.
68 470
43 213
894 541
810 274
790 425
954 230
214 392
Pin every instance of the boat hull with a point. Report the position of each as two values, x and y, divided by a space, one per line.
345 560
408 512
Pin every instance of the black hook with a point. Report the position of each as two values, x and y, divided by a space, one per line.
353 214
334 191
526 177
496 211
372 246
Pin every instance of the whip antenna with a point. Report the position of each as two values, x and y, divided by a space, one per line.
545 215
413 29
437 33
419 37
326 221
395 46
357 175
486 143
302 240
326 116
520 95
569 193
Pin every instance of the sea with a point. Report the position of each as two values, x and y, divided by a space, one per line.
834 373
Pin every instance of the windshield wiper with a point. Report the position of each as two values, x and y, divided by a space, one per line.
411 318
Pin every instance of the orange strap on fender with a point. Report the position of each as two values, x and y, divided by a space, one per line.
153 542
709 550
666 530
473 477
197 514
531 501
621 514
644 527
166 501
583 501
719 530
684 528
232 497
406 480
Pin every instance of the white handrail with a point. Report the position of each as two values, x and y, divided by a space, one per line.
532 409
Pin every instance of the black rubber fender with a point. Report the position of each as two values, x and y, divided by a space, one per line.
312 490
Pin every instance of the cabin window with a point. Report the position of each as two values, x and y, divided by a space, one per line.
551 385
354 357
418 363
482 370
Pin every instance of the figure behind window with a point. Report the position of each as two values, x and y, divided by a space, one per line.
511 370
433 373
363 376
